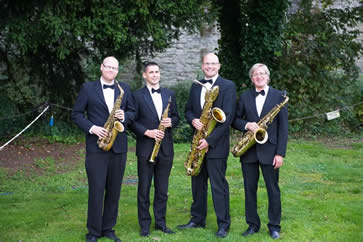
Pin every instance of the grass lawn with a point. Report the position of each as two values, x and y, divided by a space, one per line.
321 186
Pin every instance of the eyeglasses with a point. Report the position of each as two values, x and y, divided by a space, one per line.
258 74
210 63
110 68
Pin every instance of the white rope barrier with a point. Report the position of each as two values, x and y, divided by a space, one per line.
16 136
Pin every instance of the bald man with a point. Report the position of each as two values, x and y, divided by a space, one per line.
217 145
105 169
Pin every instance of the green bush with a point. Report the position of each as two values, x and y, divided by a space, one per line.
183 133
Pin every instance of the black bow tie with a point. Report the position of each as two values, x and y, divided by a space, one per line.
155 90
108 86
261 92
205 81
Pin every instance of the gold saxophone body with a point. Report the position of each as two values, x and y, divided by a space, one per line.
209 118
112 125
162 128
261 135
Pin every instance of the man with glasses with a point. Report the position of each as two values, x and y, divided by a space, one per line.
217 146
105 169
253 105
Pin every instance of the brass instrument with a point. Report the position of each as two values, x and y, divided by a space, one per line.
162 128
112 125
261 135
209 118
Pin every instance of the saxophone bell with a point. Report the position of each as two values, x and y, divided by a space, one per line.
118 126
260 136
218 115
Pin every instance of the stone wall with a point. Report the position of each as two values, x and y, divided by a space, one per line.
182 60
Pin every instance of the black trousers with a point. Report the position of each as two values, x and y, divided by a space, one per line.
215 170
251 175
105 173
160 170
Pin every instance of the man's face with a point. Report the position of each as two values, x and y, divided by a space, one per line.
210 65
152 75
260 78
109 69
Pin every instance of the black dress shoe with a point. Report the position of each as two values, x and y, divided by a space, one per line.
222 233
91 239
274 234
249 231
144 232
112 236
165 230
190 225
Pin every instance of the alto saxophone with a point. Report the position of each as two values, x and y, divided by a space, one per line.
209 118
162 128
112 125
260 135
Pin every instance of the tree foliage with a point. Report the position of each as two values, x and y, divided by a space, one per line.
311 52
317 61
251 32
47 47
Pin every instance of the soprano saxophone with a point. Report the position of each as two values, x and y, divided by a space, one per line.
112 125
162 128
209 118
260 135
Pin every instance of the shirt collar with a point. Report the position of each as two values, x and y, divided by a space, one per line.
265 89
103 82
213 79
149 88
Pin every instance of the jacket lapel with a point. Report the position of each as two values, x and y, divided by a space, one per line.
99 91
164 98
267 106
253 102
149 101
117 92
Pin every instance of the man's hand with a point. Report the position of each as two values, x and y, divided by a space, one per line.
99 131
197 124
203 144
154 134
253 126
278 161
120 114
166 122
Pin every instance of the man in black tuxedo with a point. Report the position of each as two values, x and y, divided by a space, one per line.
217 145
105 169
253 105
150 103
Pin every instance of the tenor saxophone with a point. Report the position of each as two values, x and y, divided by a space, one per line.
112 125
162 128
260 135
209 118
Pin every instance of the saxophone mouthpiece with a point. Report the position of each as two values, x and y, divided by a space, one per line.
284 94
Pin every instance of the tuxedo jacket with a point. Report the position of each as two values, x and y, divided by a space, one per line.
147 118
218 140
277 130
90 109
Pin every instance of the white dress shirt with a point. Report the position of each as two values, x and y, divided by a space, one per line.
209 86
260 101
158 102
109 95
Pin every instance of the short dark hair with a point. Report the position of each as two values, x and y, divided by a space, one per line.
149 63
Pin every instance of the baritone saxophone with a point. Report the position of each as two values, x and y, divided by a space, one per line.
112 125
209 118
162 128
